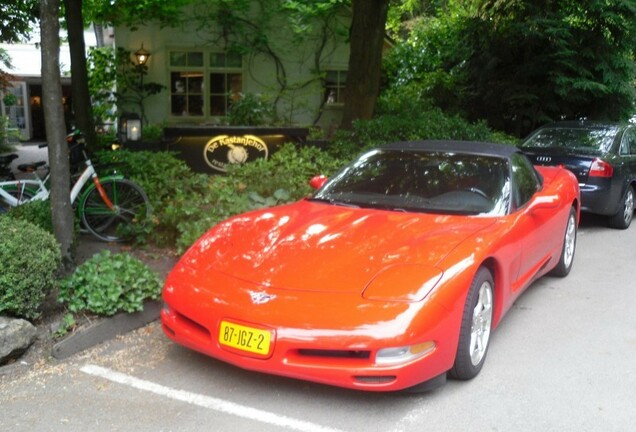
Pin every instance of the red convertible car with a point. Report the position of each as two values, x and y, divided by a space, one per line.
392 275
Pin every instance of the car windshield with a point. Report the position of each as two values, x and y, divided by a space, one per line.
589 140
417 181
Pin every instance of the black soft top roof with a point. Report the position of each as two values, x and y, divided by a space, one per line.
467 147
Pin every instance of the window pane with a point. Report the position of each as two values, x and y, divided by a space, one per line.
178 58
217 105
235 82
234 60
217 83
332 78
195 105
217 60
177 83
178 105
195 84
195 58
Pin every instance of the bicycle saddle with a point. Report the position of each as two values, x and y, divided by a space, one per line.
30 167
6 159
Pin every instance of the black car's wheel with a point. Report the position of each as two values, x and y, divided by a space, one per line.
569 246
474 336
623 218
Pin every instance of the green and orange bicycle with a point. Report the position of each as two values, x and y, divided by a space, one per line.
107 206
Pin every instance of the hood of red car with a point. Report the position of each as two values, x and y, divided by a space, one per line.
322 247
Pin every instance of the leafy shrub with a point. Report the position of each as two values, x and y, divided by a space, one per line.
109 283
36 212
250 110
153 132
289 169
405 116
30 257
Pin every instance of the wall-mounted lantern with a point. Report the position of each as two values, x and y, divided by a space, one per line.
142 55
129 127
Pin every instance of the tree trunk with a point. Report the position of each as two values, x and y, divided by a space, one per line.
61 209
82 107
365 59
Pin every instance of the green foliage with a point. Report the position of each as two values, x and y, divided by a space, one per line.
10 99
7 136
288 169
520 64
17 20
116 83
109 283
102 78
405 115
67 324
251 110
30 258
153 132
133 12
36 212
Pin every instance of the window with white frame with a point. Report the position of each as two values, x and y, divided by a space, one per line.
203 84
335 81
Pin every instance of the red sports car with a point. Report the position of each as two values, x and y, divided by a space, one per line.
391 276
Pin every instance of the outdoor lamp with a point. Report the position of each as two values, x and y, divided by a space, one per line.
129 127
133 131
142 55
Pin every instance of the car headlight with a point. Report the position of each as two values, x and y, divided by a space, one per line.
390 356
403 282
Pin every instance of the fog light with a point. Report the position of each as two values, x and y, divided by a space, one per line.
388 356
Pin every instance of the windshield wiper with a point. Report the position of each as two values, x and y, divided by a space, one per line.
334 202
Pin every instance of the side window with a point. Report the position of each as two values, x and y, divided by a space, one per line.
186 83
226 81
204 84
335 81
629 142
525 181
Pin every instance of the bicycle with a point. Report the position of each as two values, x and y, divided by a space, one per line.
106 207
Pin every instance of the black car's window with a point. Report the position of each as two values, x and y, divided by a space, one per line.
422 182
628 144
591 140
525 180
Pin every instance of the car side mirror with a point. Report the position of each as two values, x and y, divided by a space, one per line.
544 202
317 182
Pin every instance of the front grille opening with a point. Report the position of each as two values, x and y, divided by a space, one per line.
352 354
380 379
192 325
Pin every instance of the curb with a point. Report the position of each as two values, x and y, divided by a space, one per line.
106 329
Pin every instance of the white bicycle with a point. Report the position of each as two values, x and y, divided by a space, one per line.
107 207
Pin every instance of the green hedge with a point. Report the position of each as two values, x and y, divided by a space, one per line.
30 257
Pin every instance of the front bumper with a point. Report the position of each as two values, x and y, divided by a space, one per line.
316 337
602 198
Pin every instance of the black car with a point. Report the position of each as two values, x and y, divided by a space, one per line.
601 155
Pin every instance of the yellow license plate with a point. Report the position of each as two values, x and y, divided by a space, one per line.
245 338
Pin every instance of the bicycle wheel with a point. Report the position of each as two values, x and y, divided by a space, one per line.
130 205
23 194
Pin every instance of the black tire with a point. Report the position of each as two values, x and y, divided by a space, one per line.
474 334
22 193
566 260
131 205
623 218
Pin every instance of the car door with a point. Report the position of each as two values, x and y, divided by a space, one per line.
628 158
538 230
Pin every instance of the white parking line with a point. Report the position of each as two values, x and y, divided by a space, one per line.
206 401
